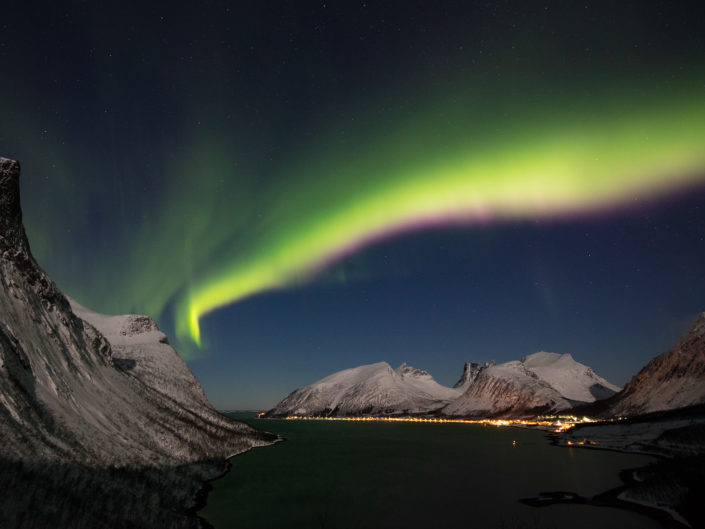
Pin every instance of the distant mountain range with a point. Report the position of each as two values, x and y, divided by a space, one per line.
545 382
539 383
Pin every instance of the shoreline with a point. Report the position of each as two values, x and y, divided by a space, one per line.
668 516
665 515
611 498
200 498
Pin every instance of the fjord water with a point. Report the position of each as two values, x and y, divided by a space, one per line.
335 474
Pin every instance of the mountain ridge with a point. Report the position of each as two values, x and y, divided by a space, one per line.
546 383
489 389
368 389
672 380
104 412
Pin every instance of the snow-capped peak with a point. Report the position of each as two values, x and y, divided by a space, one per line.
369 389
573 380
405 370
542 358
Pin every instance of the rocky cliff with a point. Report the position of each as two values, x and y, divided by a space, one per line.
470 372
102 401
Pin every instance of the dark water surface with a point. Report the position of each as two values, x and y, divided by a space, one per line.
410 475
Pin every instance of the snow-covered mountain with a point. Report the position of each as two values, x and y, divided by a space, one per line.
86 392
68 389
573 380
674 379
374 389
508 389
538 382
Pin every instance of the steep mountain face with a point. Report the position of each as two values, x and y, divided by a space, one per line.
142 352
374 389
672 380
470 372
71 395
573 380
540 382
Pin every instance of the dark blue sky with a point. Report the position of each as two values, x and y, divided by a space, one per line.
156 140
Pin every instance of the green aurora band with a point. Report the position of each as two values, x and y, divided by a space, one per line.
564 163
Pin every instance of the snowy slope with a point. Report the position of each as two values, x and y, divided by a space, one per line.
143 352
369 389
672 380
573 380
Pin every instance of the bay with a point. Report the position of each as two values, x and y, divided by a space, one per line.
336 474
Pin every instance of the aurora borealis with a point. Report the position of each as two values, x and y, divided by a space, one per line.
541 175
280 184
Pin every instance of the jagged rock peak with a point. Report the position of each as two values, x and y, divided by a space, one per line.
11 230
407 370
14 247
470 372
465 376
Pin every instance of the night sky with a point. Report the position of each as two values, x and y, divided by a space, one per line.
295 188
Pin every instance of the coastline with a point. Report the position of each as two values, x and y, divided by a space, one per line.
612 498
200 498
658 492
640 488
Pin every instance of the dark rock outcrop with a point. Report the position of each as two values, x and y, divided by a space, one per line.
470 372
